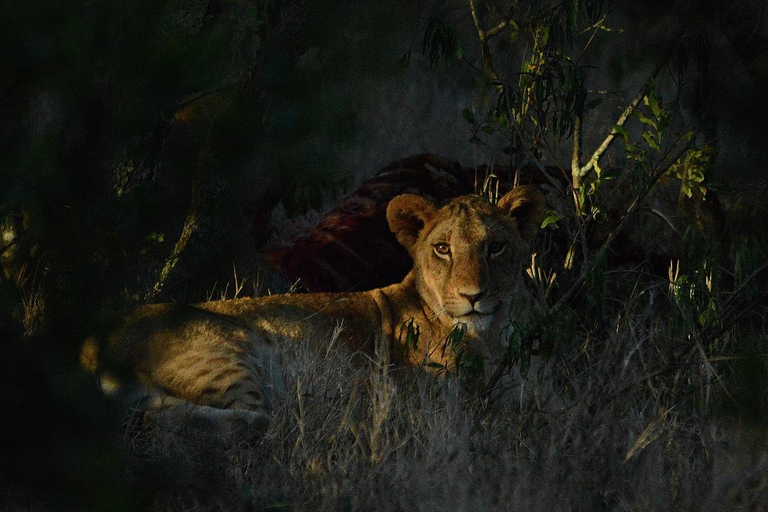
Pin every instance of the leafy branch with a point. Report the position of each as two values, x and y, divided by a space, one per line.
579 172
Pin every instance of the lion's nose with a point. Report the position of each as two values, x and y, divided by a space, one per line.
471 295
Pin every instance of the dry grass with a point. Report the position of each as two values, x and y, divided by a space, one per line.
624 417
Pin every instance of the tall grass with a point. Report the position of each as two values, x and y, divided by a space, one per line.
624 415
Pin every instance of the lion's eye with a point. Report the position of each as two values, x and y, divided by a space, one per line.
496 248
443 249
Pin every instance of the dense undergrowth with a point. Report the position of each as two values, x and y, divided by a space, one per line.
626 417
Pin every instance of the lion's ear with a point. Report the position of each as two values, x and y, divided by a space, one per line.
406 215
526 205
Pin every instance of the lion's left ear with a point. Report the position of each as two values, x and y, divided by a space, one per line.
407 214
526 205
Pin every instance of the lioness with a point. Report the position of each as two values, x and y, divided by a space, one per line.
468 259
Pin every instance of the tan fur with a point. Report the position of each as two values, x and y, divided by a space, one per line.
220 354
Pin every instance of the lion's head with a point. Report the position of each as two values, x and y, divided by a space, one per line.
468 255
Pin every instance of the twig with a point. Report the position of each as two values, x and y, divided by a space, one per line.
596 28
200 95
498 28
597 25
485 50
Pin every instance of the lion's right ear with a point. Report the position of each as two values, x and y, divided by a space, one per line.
526 204
407 214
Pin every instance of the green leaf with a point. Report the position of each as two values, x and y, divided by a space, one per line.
664 120
514 35
552 219
651 140
645 119
593 103
468 116
156 237
455 338
598 170
653 103
621 131
412 332
544 36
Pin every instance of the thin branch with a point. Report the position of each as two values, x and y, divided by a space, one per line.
597 26
501 26
485 50
576 153
473 11
666 219
200 95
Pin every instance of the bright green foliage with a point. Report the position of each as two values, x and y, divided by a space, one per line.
691 170
657 122
551 219
648 156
